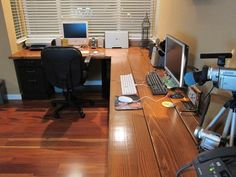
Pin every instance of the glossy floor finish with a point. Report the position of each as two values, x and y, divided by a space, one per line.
32 145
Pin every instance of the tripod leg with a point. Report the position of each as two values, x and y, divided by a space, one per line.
227 124
233 126
216 118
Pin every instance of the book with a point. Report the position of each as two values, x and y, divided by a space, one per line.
135 105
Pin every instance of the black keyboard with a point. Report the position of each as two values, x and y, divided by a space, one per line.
155 83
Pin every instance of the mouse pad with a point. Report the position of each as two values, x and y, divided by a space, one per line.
135 105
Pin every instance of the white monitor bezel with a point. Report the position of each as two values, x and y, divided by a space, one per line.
76 41
180 82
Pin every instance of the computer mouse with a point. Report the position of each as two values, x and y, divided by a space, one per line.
168 104
125 99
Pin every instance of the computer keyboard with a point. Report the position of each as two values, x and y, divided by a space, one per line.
156 85
127 85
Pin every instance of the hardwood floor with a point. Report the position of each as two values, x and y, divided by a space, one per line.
32 145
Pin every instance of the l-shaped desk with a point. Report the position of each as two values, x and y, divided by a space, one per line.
152 142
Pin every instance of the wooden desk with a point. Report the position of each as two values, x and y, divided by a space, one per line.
153 142
31 78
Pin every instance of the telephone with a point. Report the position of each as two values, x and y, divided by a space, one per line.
220 162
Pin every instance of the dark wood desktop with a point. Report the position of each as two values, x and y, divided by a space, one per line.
152 142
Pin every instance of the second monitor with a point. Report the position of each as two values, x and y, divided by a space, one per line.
176 56
76 32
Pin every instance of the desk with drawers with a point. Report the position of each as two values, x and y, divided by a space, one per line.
32 80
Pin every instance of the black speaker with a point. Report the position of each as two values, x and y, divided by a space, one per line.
53 43
158 55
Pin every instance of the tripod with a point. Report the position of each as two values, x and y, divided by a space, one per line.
230 123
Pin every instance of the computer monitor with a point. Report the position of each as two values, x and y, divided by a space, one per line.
176 56
76 32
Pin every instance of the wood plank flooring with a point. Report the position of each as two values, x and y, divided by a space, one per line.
32 145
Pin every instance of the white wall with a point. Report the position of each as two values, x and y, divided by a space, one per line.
7 70
205 25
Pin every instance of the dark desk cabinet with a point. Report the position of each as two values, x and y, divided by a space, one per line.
32 80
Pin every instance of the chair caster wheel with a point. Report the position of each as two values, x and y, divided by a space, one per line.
56 116
82 115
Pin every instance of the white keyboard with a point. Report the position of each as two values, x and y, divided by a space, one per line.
128 85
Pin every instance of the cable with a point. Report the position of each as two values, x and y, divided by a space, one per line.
151 98
209 92
135 101
183 168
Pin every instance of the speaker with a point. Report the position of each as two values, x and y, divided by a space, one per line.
100 42
58 41
157 59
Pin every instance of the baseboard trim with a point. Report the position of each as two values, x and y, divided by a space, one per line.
14 97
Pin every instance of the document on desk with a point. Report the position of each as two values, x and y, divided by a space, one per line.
135 105
84 51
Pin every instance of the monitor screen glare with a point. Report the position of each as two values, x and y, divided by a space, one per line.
76 32
176 54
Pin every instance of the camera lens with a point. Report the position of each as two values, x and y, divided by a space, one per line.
197 133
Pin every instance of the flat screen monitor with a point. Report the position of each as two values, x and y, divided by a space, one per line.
76 32
176 56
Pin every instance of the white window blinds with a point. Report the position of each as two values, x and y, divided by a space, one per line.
18 18
44 17
101 15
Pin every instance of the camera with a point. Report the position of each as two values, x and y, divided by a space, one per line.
209 139
222 78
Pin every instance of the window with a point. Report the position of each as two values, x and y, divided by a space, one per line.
44 17
18 18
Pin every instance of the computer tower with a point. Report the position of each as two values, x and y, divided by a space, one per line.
3 92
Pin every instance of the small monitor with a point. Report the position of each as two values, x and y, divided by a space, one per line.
176 56
76 32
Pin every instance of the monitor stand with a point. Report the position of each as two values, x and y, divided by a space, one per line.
78 42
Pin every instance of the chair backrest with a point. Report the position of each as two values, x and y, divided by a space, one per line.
63 66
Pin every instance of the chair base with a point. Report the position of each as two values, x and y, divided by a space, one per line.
59 105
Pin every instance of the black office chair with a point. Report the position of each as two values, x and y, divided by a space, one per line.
66 69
